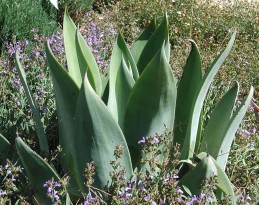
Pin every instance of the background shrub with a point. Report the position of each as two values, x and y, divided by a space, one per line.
18 18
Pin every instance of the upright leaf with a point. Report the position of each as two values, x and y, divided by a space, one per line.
119 94
191 133
121 78
231 129
36 115
151 105
66 94
79 57
97 136
158 38
88 64
216 128
187 88
140 43
69 33
38 171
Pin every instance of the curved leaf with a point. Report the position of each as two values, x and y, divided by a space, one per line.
216 128
119 94
224 186
79 57
38 171
231 129
36 115
151 105
66 94
121 80
140 43
88 64
194 179
186 90
191 133
97 136
159 38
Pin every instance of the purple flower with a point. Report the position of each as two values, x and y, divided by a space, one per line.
167 177
175 176
142 141
179 191
155 139
147 197
179 199
2 193
194 199
202 195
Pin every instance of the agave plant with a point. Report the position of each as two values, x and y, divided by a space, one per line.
139 97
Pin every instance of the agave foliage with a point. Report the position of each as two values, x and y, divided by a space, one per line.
139 97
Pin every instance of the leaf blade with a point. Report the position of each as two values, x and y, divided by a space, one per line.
37 169
151 104
36 115
97 135
193 125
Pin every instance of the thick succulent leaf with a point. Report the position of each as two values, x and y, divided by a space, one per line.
224 186
121 79
194 179
159 38
186 90
191 133
35 111
151 105
120 50
79 57
4 144
66 94
119 94
216 128
231 129
88 64
37 170
140 43
97 136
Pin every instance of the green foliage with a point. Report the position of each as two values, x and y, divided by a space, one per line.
18 18
90 130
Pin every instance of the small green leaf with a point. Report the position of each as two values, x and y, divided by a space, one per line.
224 186
36 115
194 179
37 170
97 136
